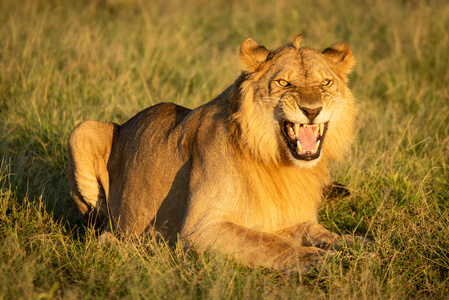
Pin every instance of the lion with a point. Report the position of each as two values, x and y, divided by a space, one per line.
242 175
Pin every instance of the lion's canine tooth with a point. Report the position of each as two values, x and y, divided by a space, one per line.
316 146
290 132
321 129
298 144
297 129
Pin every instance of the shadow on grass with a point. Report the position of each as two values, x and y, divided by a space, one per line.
35 182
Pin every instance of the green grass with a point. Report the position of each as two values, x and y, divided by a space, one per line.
62 62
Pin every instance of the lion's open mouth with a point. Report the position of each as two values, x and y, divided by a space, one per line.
304 140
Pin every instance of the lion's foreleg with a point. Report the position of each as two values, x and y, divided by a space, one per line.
256 248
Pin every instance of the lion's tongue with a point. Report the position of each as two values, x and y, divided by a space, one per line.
306 137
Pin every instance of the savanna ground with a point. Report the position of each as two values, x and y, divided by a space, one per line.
62 62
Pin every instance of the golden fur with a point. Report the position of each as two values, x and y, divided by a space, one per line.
231 175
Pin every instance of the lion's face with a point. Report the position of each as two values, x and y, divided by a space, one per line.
300 100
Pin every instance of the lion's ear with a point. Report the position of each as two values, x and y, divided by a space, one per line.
297 41
252 55
341 59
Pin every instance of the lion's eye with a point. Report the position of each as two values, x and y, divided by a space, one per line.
326 82
282 82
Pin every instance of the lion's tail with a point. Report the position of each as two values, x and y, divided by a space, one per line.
89 148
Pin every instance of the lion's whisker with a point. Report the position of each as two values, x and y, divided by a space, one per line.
337 100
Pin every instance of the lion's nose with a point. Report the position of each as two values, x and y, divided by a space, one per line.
311 113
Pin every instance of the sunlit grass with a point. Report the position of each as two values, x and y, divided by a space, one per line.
62 62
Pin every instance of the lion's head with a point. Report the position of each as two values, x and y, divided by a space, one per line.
295 106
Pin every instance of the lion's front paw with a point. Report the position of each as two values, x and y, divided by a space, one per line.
324 240
304 259
329 241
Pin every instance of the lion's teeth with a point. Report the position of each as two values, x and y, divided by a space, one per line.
298 144
297 129
321 129
291 132
316 146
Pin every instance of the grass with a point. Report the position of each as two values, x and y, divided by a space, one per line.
62 62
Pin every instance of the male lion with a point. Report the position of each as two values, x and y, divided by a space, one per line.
243 174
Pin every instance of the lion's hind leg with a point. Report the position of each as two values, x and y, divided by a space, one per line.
89 148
